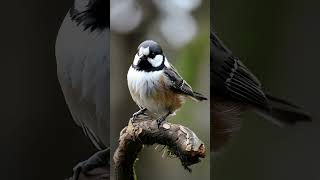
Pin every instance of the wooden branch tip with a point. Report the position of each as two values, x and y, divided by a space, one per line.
180 141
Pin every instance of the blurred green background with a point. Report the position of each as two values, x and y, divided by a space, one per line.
279 41
183 33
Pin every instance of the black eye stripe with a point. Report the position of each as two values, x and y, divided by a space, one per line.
152 55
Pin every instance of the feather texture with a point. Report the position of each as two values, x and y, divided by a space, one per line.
82 69
235 89
91 14
180 85
226 121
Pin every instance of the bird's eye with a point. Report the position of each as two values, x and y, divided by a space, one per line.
152 55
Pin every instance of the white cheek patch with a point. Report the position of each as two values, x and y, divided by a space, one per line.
136 60
156 61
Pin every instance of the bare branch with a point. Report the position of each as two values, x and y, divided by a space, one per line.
181 142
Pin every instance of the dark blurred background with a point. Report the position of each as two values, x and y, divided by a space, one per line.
39 139
279 41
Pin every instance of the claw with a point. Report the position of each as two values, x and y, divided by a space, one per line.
159 122
99 159
136 114
161 119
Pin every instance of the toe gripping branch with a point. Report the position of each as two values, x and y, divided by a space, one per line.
180 141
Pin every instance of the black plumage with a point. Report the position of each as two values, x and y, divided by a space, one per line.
91 14
235 89
232 78
154 49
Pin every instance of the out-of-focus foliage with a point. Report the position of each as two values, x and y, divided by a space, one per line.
172 19
181 27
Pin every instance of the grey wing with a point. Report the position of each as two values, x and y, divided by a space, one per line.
232 79
82 68
177 83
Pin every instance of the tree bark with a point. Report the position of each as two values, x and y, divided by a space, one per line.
180 141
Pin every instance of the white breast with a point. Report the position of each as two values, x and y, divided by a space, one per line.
142 86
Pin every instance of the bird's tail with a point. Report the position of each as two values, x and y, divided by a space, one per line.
283 112
198 97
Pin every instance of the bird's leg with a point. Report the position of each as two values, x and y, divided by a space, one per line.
99 159
136 114
163 118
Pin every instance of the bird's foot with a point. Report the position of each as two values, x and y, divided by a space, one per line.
136 114
160 121
98 160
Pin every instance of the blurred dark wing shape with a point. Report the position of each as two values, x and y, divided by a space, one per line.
231 78
226 120
91 14
82 68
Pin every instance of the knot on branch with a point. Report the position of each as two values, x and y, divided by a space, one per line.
180 140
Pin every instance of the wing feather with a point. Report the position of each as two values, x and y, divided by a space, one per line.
231 78
177 83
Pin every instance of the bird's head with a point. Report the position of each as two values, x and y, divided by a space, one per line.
149 57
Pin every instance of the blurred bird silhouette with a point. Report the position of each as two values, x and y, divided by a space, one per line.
235 90
83 72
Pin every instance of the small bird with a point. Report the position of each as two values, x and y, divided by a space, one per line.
235 89
155 84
